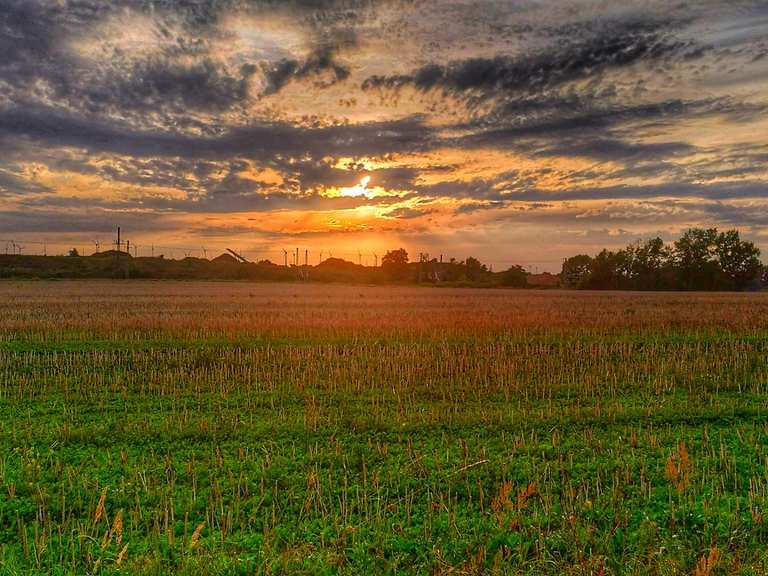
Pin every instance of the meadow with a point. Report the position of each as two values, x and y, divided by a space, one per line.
157 427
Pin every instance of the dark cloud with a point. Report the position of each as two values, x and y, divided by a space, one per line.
202 106
615 149
582 128
278 75
159 83
477 206
37 63
407 213
86 221
261 141
12 184
720 191
621 46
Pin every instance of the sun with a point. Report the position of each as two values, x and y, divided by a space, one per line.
358 190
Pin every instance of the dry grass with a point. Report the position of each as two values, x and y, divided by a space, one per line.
106 309
237 428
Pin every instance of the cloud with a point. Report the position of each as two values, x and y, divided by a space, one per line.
623 45
407 212
571 114
12 184
54 127
320 61
157 83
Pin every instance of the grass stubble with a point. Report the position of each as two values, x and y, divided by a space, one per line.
226 428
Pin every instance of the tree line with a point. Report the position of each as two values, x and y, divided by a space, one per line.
701 259
471 271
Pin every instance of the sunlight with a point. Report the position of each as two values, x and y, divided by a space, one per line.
358 190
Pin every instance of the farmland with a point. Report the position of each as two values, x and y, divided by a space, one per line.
208 428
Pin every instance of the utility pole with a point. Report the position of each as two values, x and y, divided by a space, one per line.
321 258
375 260
118 239
297 256
306 257
285 257
359 258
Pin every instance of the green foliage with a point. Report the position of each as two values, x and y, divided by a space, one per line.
699 260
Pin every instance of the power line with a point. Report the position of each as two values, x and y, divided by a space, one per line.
92 246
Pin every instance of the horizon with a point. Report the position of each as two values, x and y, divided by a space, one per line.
516 133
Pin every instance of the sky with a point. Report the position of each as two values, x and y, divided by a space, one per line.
515 131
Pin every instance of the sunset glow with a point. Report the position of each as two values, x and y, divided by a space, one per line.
358 190
447 126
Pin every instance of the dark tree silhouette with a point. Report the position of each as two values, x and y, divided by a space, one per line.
475 269
395 264
739 260
576 270
694 257
514 277
701 259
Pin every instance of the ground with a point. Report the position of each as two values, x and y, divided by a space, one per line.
236 428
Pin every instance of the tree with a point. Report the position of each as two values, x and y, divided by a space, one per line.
739 260
701 259
576 270
395 263
397 257
647 266
604 271
73 252
515 277
475 269
694 258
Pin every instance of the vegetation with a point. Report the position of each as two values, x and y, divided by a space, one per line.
214 428
699 260
395 269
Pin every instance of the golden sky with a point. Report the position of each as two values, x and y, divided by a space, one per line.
514 131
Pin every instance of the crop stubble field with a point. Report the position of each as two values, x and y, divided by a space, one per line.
209 428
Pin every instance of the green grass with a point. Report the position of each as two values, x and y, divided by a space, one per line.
635 450
383 458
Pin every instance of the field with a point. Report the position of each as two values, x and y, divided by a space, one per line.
233 428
